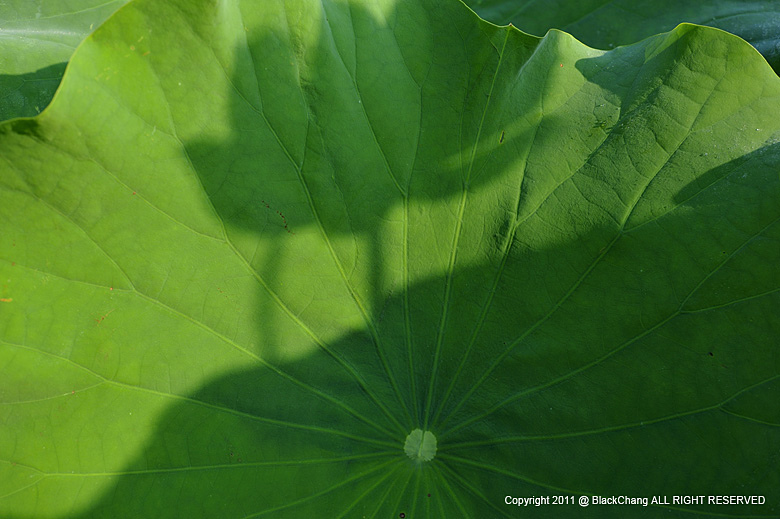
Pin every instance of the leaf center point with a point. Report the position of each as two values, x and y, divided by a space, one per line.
420 445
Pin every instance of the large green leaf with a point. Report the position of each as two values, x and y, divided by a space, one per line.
605 24
37 38
382 259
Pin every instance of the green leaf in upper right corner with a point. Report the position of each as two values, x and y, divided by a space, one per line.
607 24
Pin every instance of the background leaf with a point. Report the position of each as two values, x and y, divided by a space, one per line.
37 38
247 251
607 24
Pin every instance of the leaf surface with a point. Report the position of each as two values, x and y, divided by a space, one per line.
37 38
372 259
608 24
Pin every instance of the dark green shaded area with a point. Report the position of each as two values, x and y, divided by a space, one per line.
26 95
37 38
608 24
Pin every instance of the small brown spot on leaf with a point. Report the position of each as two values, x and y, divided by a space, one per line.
103 317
